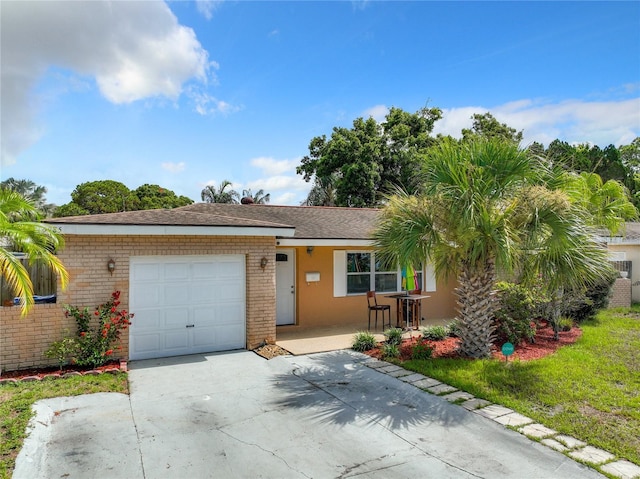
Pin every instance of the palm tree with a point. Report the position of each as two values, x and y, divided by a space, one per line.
485 207
221 195
21 231
322 193
32 192
260 198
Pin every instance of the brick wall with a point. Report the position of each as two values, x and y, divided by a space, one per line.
621 293
23 341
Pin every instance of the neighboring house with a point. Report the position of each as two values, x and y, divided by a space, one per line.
212 277
625 253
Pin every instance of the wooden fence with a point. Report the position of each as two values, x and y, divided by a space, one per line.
43 278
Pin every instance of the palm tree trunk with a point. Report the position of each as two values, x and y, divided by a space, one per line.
476 306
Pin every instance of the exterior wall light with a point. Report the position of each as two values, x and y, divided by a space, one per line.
263 262
111 266
309 250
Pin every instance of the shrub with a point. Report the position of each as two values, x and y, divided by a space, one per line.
581 305
63 351
421 350
363 341
97 333
394 336
565 323
390 350
435 333
516 312
454 328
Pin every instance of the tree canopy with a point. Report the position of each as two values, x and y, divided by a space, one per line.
109 196
370 159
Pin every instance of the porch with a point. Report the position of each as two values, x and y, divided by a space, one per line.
299 340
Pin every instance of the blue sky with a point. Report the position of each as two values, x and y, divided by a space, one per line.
185 94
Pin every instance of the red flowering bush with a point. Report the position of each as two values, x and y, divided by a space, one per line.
98 333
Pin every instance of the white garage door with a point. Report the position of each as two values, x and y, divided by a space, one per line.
186 305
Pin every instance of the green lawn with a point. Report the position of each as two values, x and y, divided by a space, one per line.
16 401
589 390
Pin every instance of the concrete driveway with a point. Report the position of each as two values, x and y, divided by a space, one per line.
237 415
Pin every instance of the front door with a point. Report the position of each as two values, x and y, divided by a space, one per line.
285 287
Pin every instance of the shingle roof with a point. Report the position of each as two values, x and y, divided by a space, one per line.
172 217
310 222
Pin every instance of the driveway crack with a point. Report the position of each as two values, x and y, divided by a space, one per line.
135 426
272 453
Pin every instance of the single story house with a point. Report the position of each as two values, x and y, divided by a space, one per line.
213 277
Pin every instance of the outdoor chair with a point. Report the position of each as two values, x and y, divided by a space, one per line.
372 302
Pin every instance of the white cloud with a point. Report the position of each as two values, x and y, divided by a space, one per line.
271 166
207 7
574 121
205 104
278 183
133 50
377 112
173 167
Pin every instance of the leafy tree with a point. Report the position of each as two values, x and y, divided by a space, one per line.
486 126
31 192
485 206
108 196
105 196
221 195
151 197
365 161
259 198
21 231
630 155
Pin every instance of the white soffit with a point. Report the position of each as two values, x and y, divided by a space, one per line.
169 230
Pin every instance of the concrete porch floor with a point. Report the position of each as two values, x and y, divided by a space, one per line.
299 340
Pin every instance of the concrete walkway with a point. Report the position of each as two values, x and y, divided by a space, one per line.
331 415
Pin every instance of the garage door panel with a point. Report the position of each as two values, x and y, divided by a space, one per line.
148 320
177 270
145 272
225 313
176 318
148 295
204 291
170 293
178 340
229 269
205 270
231 291
176 294
229 336
147 343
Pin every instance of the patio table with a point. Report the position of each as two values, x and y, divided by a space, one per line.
410 300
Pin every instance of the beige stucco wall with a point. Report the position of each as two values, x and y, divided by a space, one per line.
316 306
23 341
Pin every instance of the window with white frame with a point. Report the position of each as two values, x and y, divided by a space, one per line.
365 273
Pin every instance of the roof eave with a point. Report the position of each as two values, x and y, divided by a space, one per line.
170 230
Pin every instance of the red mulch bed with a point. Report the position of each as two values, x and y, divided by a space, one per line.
543 346
36 374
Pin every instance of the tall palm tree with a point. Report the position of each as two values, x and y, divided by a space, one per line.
32 192
21 231
485 207
221 195
259 198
